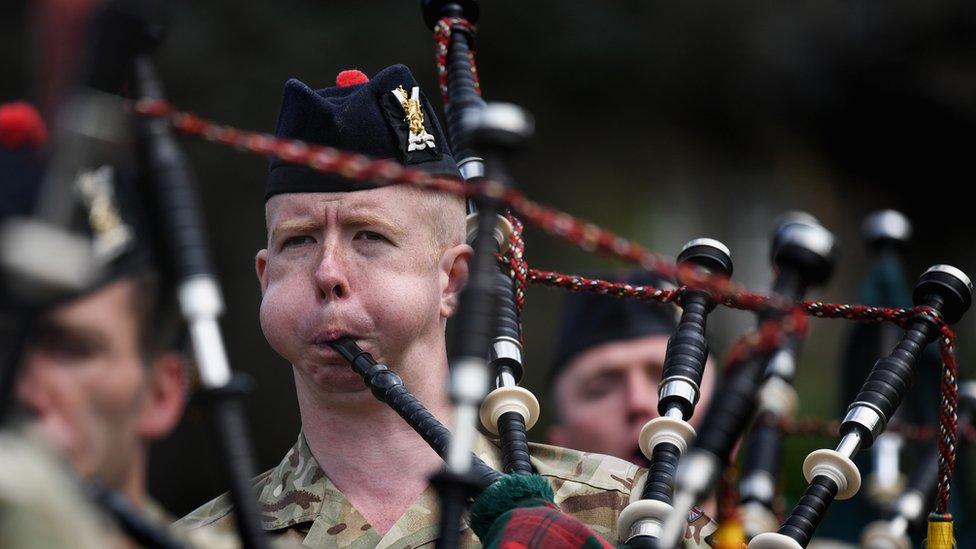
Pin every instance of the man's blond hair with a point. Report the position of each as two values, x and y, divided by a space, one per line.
447 218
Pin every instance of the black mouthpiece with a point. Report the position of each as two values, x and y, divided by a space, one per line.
384 383
346 346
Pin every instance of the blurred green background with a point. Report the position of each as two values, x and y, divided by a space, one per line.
664 121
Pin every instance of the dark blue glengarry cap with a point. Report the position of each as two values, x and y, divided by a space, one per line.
590 320
385 117
23 135
106 216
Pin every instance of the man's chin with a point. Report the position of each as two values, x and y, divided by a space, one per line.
332 378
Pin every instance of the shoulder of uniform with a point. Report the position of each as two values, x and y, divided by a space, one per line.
218 509
207 514
595 470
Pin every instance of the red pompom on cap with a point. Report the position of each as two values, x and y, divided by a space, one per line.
351 78
21 126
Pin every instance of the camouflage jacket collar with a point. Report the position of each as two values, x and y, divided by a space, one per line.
295 491
298 492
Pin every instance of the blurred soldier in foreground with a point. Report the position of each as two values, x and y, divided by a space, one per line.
99 378
30 476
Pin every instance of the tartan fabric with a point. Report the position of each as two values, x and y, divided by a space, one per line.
540 524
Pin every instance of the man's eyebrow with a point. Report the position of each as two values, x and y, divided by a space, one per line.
294 226
50 330
606 369
364 219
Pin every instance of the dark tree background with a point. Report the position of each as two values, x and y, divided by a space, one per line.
664 121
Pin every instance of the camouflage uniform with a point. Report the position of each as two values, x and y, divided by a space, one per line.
299 501
40 504
203 538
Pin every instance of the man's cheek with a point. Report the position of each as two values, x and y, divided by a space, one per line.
588 414
277 317
405 309
605 416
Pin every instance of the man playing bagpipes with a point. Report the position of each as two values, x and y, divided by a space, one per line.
382 267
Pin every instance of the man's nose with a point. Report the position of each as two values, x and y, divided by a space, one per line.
331 275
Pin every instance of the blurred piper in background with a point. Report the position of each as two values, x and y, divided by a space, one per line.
603 384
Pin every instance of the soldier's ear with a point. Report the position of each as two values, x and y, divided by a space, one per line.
165 399
453 270
261 268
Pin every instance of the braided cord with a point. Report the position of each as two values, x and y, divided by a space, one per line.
518 269
442 43
728 493
592 238
948 405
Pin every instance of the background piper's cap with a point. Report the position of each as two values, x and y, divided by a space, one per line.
108 210
22 138
358 115
590 320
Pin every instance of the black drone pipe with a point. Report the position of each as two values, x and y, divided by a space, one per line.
664 438
907 511
760 473
498 130
687 351
463 96
803 254
469 373
506 361
181 228
763 446
464 104
510 410
946 292
886 234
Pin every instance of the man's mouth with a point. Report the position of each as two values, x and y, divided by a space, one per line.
328 354
325 343
324 337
